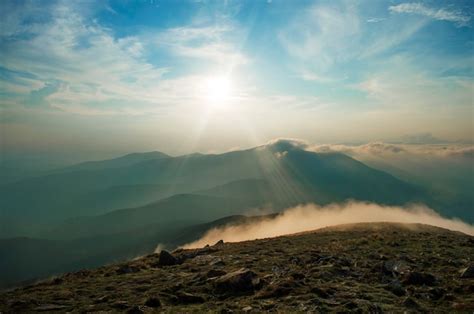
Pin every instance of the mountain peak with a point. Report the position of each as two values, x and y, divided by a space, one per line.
286 144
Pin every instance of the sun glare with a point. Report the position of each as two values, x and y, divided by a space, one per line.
218 90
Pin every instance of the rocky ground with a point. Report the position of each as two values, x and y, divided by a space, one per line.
363 268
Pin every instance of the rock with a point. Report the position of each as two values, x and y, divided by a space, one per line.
396 288
277 289
188 298
166 259
126 269
220 242
121 305
102 299
135 310
419 279
468 272
238 281
394 268
215 273
153 302
410 303
247 309
57 281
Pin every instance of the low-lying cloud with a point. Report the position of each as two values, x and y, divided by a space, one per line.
392 150
312 217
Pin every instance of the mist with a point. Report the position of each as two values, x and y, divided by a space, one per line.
311 217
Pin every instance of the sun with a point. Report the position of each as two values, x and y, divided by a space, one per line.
218 90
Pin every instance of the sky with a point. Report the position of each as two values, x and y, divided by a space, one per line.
101 78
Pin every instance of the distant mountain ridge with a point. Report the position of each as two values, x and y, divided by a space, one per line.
293 174
131 203
123 161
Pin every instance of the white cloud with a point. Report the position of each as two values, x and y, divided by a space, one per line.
313 217
382 149
457 17
99 73
85 57
403 84
213 44
322 35
392 36
375 19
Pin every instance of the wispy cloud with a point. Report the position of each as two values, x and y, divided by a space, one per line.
442 14
375 19
210 43
322 35
74 64
82 58
402 83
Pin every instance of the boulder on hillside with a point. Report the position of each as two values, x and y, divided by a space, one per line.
241 280
166 259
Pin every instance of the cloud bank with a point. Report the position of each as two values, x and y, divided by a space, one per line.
387 149
312 217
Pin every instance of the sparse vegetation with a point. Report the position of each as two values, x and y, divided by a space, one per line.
364 267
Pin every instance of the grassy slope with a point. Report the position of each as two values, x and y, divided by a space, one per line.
332 269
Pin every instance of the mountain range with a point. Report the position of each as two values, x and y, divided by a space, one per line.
98 212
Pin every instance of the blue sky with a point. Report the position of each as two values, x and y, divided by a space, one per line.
117 76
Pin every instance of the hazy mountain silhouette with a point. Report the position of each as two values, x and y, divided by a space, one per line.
293 174
122 161
98 212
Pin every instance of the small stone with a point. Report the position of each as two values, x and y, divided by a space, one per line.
166 259
215 273
102 299
153 302
127 269
393 268
396 288
121 305
188 298
468 272
217 262
247 309
277 289
410 303
220 242
135 310
419 279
